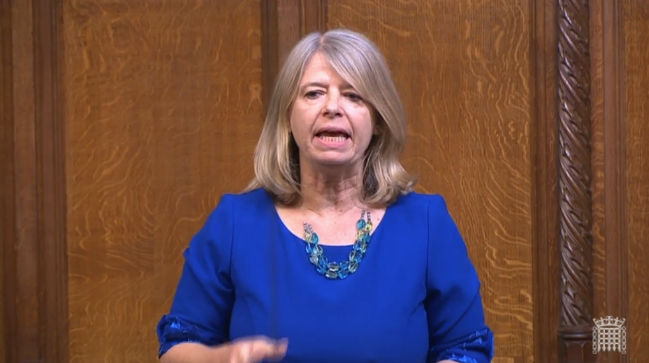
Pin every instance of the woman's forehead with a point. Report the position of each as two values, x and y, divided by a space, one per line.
320 71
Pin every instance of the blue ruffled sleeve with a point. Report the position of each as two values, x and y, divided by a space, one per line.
456 325
203 302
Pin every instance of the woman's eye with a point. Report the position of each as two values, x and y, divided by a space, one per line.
354 96
312 94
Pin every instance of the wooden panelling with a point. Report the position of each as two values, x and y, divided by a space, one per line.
545 201
50 191
598 160
464 72
284 22
7 207
123 122
25 314
163 105
34 250
609 273
636 133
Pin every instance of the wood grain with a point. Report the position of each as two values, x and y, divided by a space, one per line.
162 107
545 190
34 296
25 287
636 111
610 260
50 178
7 206
598 161
463 69
284 23
163 103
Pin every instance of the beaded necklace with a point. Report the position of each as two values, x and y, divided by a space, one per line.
339 270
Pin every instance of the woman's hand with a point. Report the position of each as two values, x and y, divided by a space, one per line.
244 350
256 349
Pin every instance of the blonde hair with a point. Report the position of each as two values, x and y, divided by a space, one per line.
358 61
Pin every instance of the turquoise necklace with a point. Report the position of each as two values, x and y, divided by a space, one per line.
339 270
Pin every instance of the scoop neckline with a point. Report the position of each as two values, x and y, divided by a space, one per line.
279 220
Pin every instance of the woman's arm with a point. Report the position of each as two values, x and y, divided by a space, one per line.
248 350
202 305
194 352
456 324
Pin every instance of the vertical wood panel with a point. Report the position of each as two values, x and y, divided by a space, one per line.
7 207
545 204
25 244
598 160
34 249
610 290
636 114
163 104
464 72
284 23
52 252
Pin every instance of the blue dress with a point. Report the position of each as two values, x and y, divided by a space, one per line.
414 298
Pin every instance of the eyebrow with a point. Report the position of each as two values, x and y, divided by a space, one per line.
313 84
324 85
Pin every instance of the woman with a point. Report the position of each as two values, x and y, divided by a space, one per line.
329 256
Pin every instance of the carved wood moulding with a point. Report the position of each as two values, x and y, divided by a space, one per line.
575 215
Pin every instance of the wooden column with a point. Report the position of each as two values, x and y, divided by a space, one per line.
608 168
546 249
298 18
7 207
575 214
33 192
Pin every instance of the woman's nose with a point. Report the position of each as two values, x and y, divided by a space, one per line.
332 107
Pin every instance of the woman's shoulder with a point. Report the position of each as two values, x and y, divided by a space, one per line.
421 200
247 205
246 198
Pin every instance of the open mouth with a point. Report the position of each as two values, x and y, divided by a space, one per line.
332 136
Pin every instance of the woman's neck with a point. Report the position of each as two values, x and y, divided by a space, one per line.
321 194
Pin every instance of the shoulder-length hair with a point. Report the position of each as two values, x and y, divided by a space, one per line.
358 61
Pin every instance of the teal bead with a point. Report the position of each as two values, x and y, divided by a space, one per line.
353 255
362 246
331 274
323 262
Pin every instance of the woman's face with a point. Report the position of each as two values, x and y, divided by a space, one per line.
331 124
